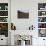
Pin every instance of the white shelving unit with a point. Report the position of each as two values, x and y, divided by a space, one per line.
42 18
4 23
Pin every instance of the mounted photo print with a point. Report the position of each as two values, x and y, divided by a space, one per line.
22 15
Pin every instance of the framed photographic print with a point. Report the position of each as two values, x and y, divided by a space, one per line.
22 15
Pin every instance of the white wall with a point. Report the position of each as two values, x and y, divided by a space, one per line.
24 5
30 6
23 24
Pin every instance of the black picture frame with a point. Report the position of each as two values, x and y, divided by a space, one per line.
22 15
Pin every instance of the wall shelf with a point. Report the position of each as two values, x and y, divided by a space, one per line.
3 16
3 22
3 10
41 22
42 16
41 28
41 10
